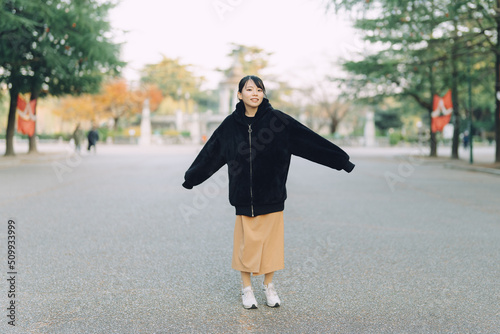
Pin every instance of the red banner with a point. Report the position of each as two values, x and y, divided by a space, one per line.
441 111
26 116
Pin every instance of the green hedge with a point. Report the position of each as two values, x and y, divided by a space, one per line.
395 138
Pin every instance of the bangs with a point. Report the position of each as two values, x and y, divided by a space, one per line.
258 82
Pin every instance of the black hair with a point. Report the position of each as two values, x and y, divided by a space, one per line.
256 79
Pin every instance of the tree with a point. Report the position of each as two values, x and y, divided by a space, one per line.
285 97
422 50
387 119
323 102
117 101
488 23
252 59
334 108
496 49
54 47
77 108
172 78
395 69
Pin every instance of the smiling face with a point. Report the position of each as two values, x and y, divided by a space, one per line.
252 96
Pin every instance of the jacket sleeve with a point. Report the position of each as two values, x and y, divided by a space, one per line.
309 145
209 160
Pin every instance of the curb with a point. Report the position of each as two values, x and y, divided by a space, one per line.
24 159
493 171
459 165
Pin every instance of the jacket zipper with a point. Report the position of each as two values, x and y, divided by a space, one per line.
251 177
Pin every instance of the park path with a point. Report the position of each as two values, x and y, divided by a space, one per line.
112 243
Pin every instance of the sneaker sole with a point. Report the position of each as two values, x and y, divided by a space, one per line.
275 305
251 307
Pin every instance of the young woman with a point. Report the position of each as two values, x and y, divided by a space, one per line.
256 142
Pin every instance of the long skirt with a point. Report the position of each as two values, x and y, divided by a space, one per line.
259 245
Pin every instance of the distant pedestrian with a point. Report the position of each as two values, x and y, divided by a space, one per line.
466 139
78 136
256 141
92 137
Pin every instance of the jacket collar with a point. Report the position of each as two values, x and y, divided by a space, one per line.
239 112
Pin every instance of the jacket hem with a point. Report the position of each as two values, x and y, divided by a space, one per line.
258 210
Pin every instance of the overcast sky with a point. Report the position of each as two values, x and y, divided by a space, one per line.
303 38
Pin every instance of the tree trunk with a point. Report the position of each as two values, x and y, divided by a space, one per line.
32 139
11 123
454 96
433 145
497 90
333 125
456 120
32 143
433 141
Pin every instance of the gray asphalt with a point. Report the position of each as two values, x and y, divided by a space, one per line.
111 243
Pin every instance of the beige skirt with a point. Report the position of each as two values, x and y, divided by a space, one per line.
259 245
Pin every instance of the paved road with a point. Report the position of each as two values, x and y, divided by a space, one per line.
112 244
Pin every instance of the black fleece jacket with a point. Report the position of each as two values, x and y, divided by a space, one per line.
258 157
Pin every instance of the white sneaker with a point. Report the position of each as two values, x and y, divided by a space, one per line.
248 298
272 299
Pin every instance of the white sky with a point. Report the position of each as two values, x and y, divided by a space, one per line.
304 39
